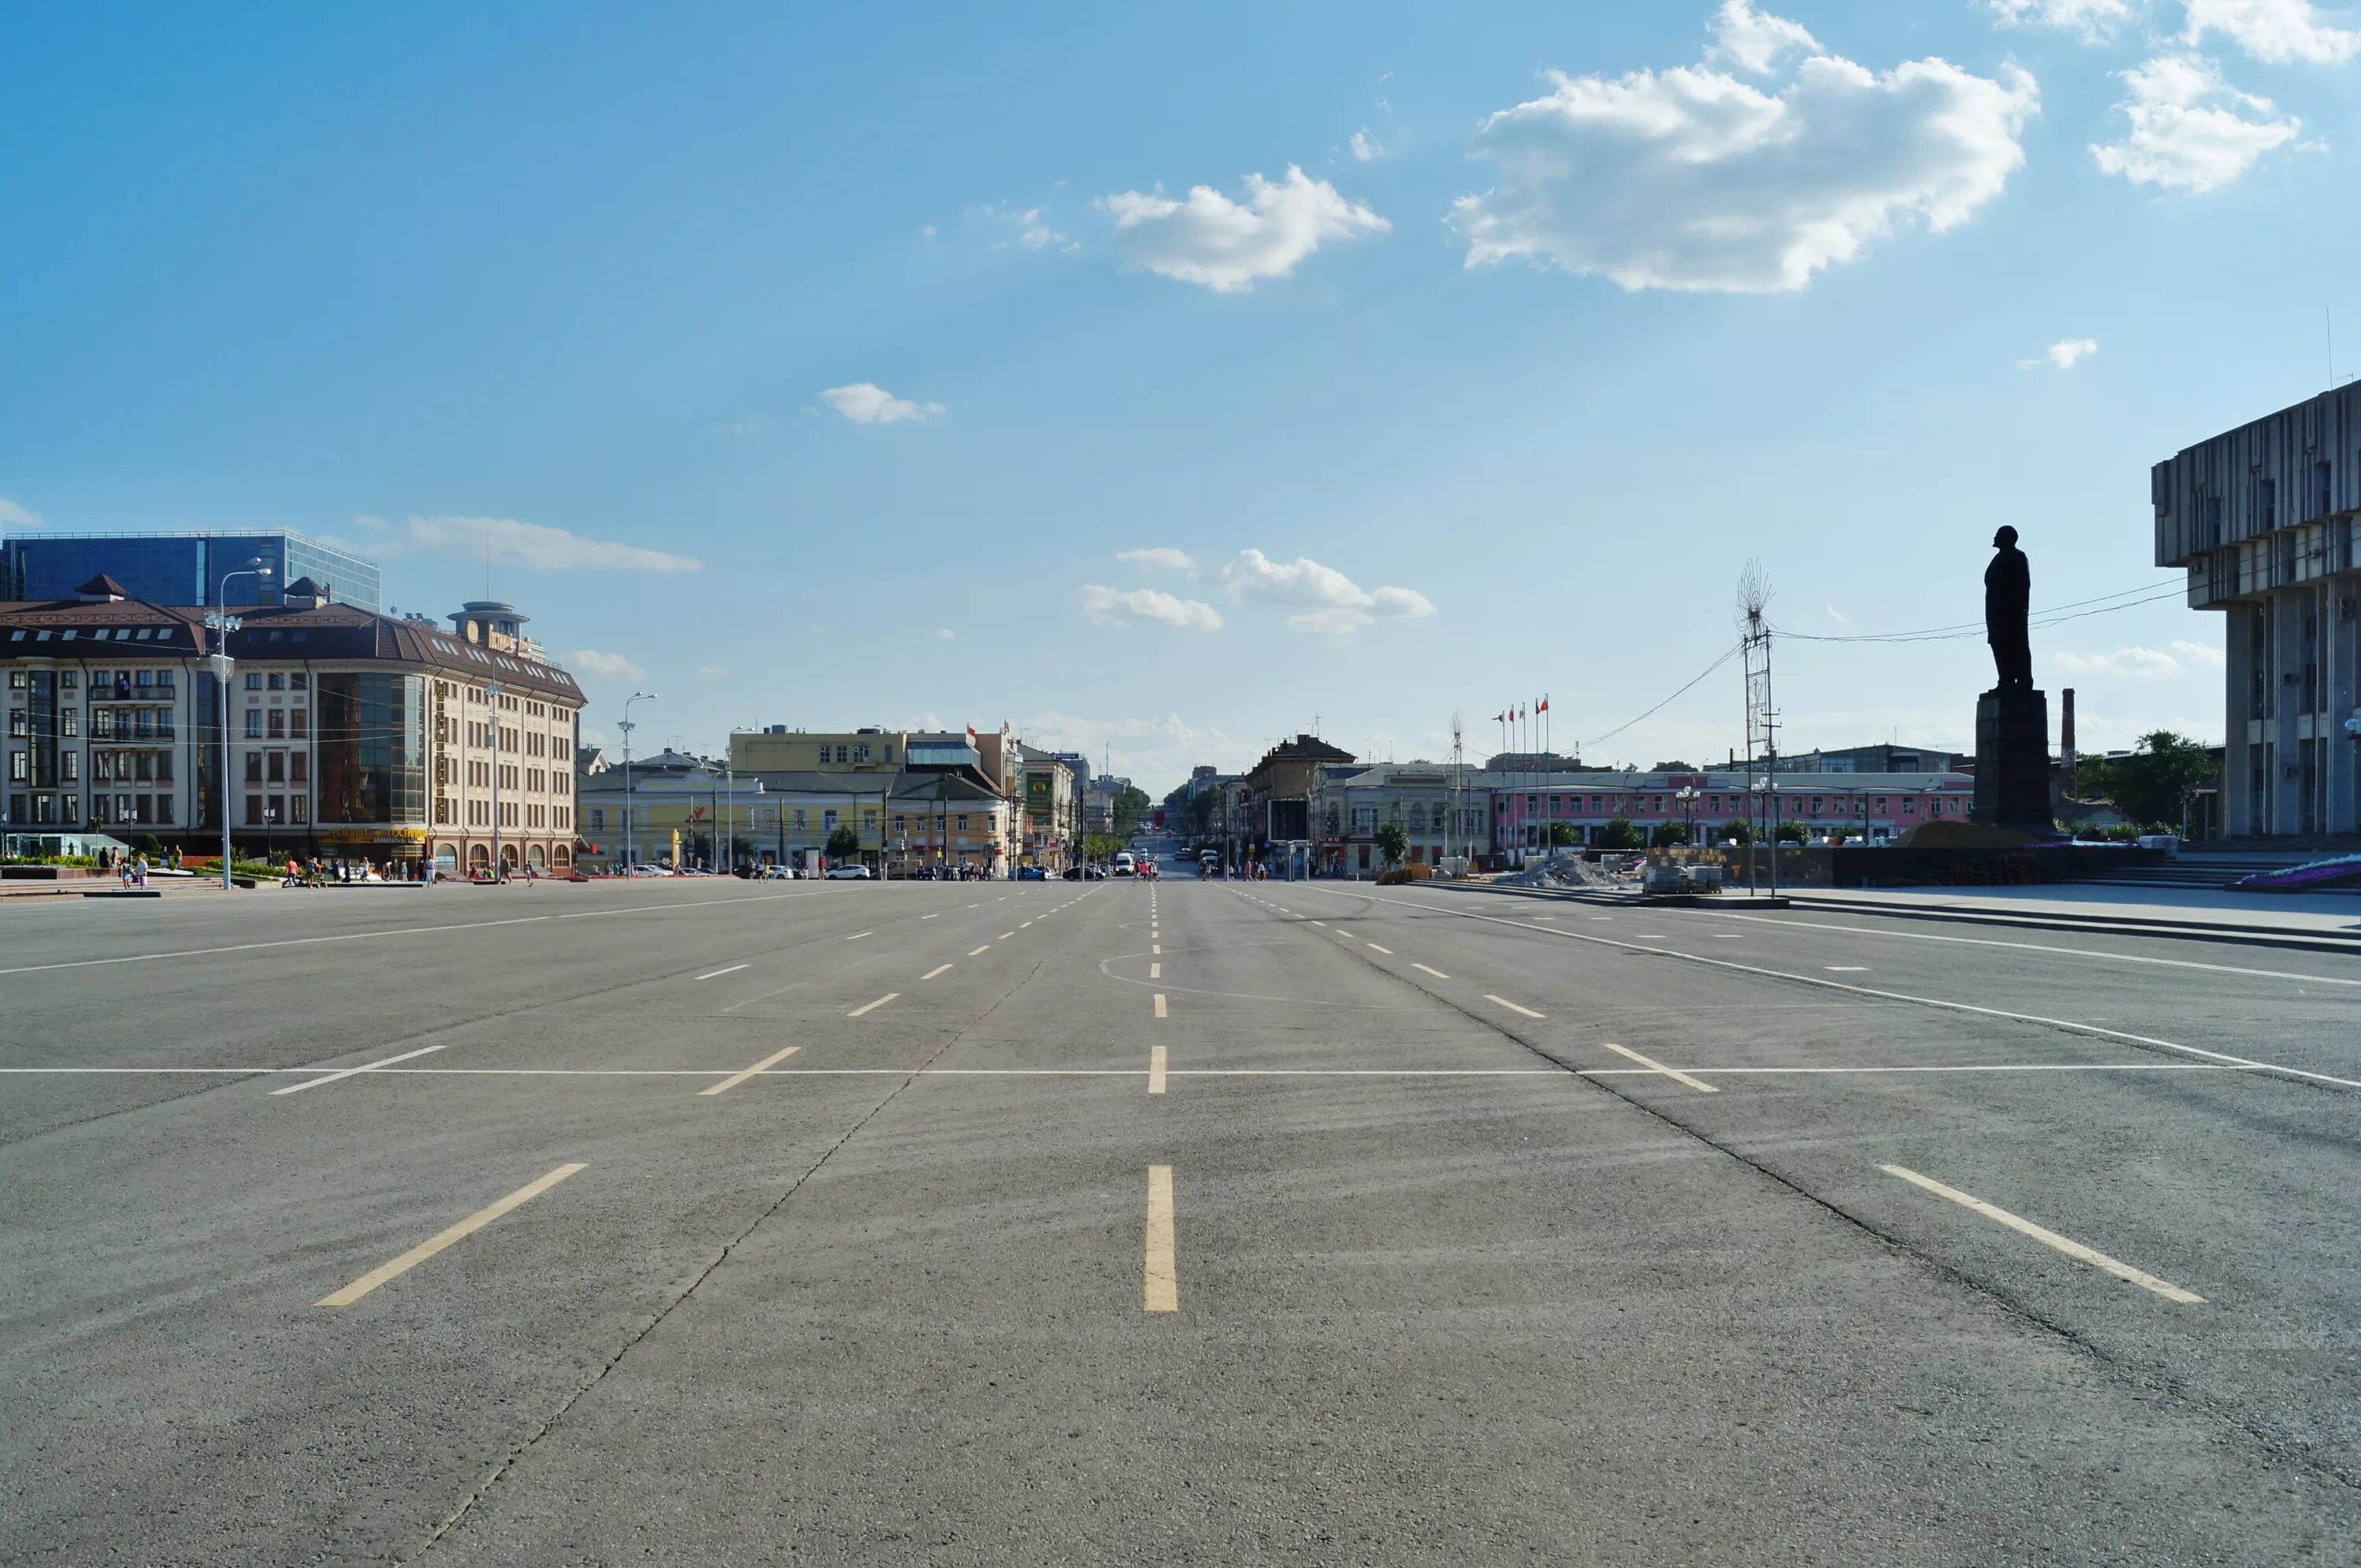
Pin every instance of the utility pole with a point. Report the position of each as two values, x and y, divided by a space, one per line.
631 855
221 620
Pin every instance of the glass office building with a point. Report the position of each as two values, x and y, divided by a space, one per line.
182 568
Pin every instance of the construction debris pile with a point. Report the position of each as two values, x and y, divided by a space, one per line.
1569 871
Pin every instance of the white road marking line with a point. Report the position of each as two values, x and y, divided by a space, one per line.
1160 1290
433 1245
986 948
873 1006
1940 1003
1512 1006
2072 1249
2045 948
1155 947
1435 972
1846 969
1387 951
858 935
1156 971
1155 1069
1004 936
1104 1072
371 1066
930 917
1728 937
1320 922
1648 935
1024 925
1652 1065
717 974
735 1079
934 972
976 907
1159 1004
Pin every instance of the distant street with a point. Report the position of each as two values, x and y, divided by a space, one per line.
718 1222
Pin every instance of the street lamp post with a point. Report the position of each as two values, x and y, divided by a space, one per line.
1687 795
221 620
630 848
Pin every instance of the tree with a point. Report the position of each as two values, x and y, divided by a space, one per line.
1735 828
1564 833
2152 783
1792 833
1131 803
844 843
1669 835
1393 842
1618 834
1100 846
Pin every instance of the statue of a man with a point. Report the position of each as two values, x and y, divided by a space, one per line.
2008 593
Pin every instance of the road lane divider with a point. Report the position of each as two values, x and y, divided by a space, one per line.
1160 1282
717 974
1652 1065
867 1007
1156 1062
986 948
1512 1006
1004 936
1435 972
934 972
2050 1238
398 1266
735 1079
350 1072
1156 971
1387 951
858 935
1159 1004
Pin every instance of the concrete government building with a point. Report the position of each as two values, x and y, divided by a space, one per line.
352 735
2265 520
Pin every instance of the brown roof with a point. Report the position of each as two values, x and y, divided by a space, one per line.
332 631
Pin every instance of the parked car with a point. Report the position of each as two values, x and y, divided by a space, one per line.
1031 873
779 873
847 873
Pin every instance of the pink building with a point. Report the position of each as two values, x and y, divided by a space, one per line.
1875 806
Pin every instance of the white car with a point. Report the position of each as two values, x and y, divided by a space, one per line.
847 873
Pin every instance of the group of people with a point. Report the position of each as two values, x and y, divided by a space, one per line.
931 873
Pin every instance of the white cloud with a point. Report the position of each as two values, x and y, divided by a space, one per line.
2063 355
2095 20
14 515
711 671
927 231
1330 603
1752 41
613 666
1027 229
2136 661
865 402
531 544
1154 753
1119 606
2190 129
2200 655
1228 246
1365 147
1839 617
1161 557
2278 32
1691 179
944 634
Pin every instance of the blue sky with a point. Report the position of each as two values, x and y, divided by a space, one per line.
837 368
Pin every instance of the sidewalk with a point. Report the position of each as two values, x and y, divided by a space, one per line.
2190 911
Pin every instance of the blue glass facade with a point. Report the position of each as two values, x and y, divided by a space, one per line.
182 568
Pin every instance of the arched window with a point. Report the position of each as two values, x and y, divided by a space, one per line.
478 857
534 854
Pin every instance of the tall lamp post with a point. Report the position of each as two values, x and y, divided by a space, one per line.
1687 795
221 620
631 850
493 689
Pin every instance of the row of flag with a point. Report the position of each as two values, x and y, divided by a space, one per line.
1518 714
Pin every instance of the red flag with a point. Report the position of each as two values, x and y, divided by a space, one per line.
1544 706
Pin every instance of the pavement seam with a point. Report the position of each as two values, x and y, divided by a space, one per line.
517 1454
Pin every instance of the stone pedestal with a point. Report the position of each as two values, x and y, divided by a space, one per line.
2013 760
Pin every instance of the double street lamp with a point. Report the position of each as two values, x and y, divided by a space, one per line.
221 620
631 850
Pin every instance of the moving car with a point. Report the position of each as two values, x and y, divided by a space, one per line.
1031 873
1124 864
847 873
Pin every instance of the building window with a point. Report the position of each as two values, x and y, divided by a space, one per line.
254 724
254 767
278 724
254 811
254 680
298 723
860 753
298 808
277 768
